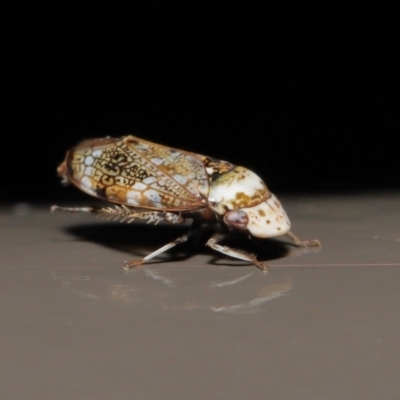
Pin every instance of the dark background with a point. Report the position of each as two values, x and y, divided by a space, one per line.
306 96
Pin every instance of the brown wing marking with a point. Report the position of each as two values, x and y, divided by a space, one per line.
135 172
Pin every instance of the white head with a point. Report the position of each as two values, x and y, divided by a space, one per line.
246 204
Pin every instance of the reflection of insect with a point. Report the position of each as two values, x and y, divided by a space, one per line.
156 183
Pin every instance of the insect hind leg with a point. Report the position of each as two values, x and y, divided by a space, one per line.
124 213
73 209
235 253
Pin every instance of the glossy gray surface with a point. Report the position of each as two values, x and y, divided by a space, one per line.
321 325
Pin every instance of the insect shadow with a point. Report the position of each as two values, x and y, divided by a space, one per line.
140 239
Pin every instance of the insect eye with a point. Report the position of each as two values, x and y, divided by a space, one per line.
237 219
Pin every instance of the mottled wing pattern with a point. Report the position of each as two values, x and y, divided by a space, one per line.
138 173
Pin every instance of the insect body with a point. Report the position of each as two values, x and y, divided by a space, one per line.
156 183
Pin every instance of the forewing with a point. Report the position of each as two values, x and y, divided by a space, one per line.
138 173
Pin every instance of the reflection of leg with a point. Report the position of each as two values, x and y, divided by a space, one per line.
235 253
181 239
304 243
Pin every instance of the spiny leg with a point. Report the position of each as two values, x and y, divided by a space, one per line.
304 243
124 213
235 253
73 209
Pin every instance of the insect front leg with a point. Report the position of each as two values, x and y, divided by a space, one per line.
304 243
235 253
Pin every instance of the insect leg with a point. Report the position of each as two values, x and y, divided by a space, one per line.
181 239
235 253
304 243
124 213
136 263
72 209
